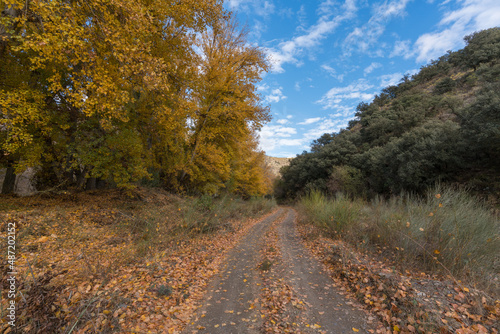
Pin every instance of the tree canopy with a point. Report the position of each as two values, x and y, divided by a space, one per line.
119 91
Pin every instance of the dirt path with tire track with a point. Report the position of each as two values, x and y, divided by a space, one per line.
292 289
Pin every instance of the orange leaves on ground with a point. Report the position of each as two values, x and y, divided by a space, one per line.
83 263
406 303
277 297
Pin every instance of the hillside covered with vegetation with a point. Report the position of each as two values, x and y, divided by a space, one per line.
439 125
109 93
401 184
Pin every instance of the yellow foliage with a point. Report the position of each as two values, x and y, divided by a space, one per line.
112 89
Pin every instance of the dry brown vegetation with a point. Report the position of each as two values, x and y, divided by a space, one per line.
274 164
102 262
410 292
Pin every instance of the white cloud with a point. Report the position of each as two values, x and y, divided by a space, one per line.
297 86
262 87
473 15
342 111
291 142
402 48
330 70
275 96
372 67
276 136
273 136
282 121
390 79
286 12
362 38
278 131
260 7
289 51
328 125
432 46
265 8
257 30
235 3
354 91
310 121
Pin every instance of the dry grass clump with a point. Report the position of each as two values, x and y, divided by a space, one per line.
446 231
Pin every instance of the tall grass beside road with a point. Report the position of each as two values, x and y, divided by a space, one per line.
446 231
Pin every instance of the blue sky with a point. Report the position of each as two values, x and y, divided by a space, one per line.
328 56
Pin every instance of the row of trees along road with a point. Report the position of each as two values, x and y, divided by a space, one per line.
118 91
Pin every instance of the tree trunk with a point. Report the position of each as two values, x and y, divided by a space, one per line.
80 178
9 182
91 183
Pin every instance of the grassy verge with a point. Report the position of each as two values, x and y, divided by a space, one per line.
102 262
447 231
422 265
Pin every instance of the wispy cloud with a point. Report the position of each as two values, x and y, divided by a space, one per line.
257 30
290 51
327 125
390 79
259 7
271 95
262 87
330 70
371 67
364 37
310 121
275 96
472 16
346 112
291 142
402 48
274 136
336 95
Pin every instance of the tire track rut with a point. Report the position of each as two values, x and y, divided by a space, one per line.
325 307
233 306
235 296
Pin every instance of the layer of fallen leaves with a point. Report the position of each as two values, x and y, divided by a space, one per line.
409 302
82 269
280 305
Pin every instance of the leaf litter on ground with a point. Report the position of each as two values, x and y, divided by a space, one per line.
409 302
93 263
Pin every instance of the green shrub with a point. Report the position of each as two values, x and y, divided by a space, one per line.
445 85
347 180
333 214
207 214
447 230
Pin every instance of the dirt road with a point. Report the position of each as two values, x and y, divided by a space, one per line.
287 294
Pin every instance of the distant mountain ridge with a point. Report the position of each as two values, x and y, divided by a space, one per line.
275 164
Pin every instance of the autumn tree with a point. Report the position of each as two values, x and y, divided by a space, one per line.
227 110
95 81
119 90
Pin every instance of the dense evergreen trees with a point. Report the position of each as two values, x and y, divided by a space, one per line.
442 124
